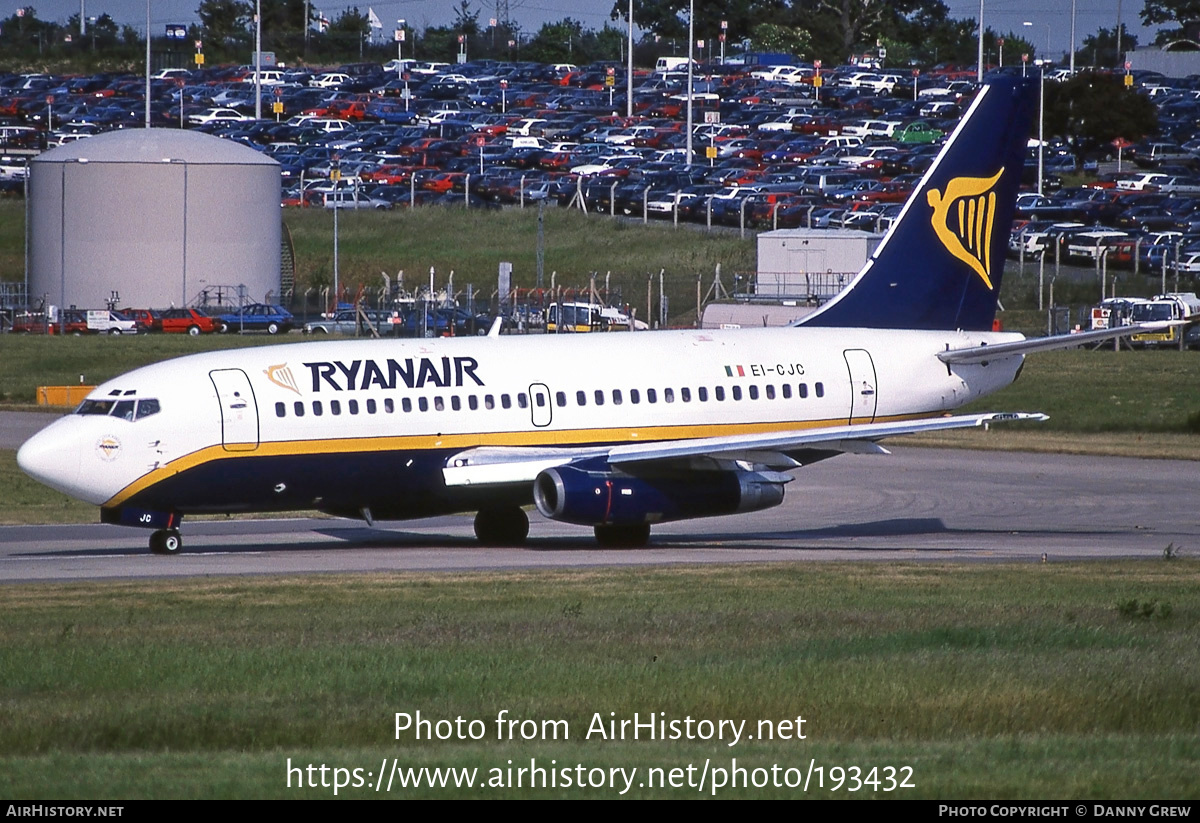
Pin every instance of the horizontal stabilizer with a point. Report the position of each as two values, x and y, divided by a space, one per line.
982 354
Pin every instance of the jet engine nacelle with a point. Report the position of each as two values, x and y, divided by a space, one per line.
600 498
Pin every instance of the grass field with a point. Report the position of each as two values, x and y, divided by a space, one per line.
473 244
1067 681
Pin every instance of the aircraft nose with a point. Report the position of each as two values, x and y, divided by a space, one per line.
52 459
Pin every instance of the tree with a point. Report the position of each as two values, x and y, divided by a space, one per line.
775 37
465 20
560 42
668 18
225 22
1184 12
1094 109
1100 49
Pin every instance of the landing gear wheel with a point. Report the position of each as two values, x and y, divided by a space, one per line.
166 541
623 537
502 527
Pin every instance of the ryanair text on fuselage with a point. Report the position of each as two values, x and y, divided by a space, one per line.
442 372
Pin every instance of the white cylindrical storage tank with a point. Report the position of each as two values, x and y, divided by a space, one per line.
155 215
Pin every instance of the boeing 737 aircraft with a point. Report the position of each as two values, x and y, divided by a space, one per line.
613 431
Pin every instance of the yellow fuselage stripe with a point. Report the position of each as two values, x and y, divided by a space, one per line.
428 442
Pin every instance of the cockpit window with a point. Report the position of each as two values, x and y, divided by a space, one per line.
125 410
147 407
95 407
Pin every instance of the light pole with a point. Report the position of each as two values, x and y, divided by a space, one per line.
147 63
629 67
1072 46
258 59
691 47
979 59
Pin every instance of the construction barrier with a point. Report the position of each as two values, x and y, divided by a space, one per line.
62 395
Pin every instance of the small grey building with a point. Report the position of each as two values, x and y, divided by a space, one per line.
155 215
811 264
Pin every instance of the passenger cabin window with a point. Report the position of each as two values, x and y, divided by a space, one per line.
560 398
298 408
702 393
423 403
280 410
489 402
651 396
754 392
370 406
506 401
599 397
719 392
737 392
685 395
318 409
669 395
335 406
635 396
787 391
522 400
473 402
803 390
456 403
820 389
581 398
353 405
617 397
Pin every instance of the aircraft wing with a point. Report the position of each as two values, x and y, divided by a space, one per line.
490 465
981 354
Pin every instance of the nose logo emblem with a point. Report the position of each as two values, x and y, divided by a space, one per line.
108 447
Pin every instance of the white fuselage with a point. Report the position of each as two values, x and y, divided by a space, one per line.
255 426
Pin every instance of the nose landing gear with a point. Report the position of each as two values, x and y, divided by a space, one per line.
166 541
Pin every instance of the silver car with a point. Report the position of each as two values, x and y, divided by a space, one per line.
348 322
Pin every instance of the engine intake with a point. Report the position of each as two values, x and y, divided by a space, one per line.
597 498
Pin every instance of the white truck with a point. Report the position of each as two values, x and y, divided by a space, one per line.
1172 306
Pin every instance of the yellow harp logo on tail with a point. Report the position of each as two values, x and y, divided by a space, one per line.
963 219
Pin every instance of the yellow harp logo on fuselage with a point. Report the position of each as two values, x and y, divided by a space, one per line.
282 377
963 219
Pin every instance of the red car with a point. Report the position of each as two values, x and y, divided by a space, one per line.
189 321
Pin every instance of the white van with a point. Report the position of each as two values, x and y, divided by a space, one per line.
666 64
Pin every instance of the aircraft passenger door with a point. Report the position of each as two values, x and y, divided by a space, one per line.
539 405
239 413
863 397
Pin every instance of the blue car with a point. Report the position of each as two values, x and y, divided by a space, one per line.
257 317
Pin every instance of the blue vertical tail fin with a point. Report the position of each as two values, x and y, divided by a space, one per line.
941 264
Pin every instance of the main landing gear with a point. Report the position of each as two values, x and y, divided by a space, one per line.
166 541
507 526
